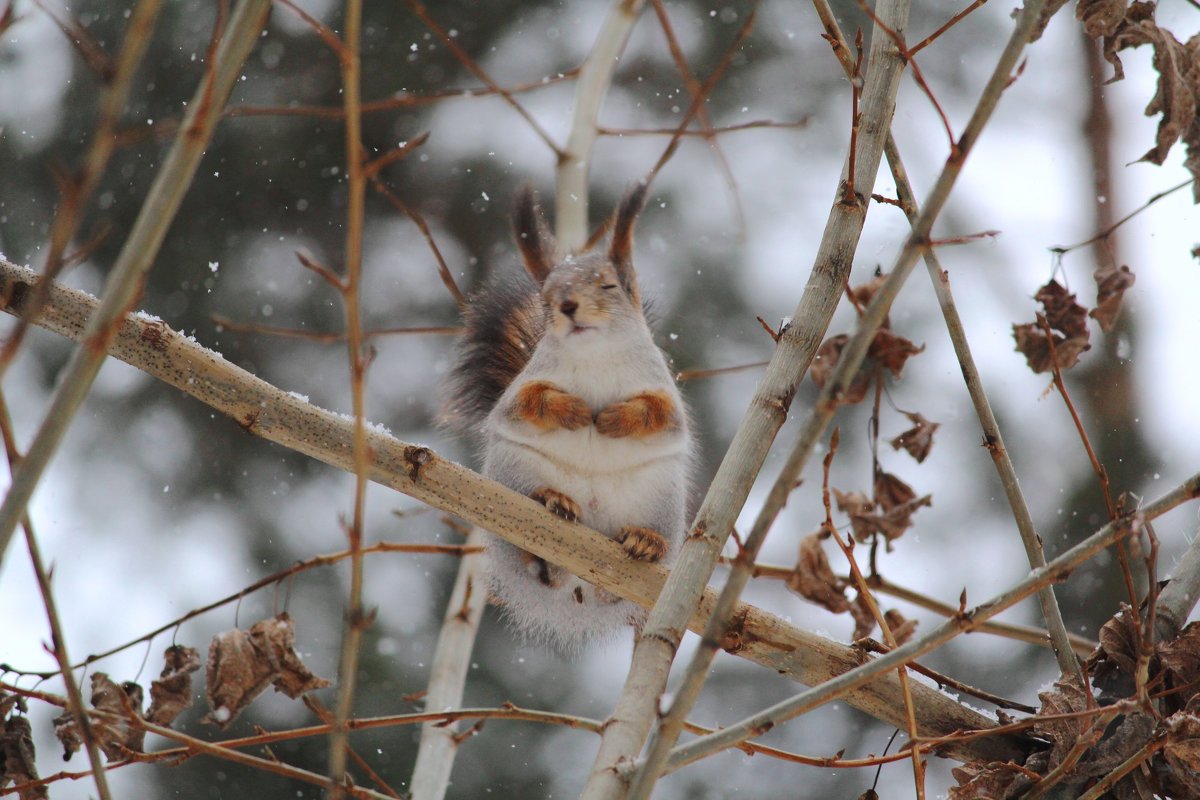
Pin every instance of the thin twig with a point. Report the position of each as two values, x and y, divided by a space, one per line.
58 639
137 256
1104 234
357 619
328 338
957 18
473 67
674 131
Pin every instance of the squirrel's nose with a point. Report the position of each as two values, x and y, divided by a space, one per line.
569 307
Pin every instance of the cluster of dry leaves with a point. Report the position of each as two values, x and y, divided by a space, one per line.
1060 333
241 665
1139 719
886 513
1121 25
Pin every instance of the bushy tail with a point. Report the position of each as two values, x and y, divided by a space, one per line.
504 322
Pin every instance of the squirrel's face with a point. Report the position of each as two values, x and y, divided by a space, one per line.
585 296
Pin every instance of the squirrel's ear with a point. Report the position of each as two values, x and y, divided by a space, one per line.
533 235
620 250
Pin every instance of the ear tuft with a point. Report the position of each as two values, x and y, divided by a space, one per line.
620 249
532 234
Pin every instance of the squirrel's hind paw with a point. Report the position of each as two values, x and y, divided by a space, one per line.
642 544
557 503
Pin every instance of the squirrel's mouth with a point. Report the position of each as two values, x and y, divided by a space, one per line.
576 328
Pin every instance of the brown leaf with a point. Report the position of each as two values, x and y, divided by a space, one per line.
864 620
860 509
902 629
1136 29
978 781
891 492
1119 641
826 361
1100 17
917 440
1182 750
891 351
1068 321
1066 697
1111 283
865 292
115 733
1180 657
1176 96
813 579
242 664
17 758
171 694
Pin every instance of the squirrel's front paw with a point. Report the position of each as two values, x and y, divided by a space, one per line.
557 503
546 406
641 415
642 544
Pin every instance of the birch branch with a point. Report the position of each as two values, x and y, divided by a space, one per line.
663 631
1054 571
448 675
574 162
884 67
137 256
268 412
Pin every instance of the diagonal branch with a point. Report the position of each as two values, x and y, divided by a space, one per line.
283 418
136 257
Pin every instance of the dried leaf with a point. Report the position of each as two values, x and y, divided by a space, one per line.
917 440
891 351
1119 641
978 781
1111 283
1066 697
1100 17
171 694
813 579
242 664
864 293
826 361
1176 96
860 509
864 620
902 629
891 492
115 733
1182 750
1068 321
17 758
1180 657
1136 29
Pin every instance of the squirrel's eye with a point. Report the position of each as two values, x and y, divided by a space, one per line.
608 286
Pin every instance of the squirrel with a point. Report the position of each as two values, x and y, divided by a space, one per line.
577 409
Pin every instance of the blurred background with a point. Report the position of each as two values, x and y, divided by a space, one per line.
156 505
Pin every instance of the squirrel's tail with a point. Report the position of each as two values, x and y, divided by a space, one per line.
503 321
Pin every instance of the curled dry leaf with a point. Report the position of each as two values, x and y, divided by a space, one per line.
887 350
1111 283
17 762
171 694
1180 658
1067 696
116 731
993 781
1112 664
860 509
813 579
896 499
864 620
917 440
891 351
242 664
1068 322
1182 750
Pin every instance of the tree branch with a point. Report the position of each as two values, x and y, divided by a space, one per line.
278 416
